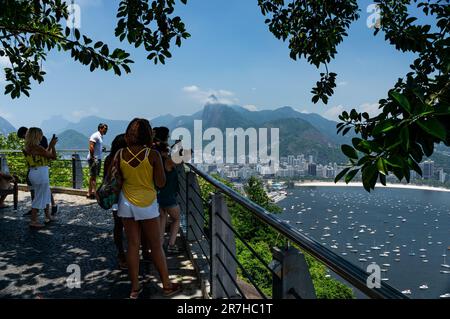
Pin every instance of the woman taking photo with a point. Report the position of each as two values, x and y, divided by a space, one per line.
142 171
38 159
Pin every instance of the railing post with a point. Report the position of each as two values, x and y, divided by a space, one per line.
77 172
293 279
194 208
221 283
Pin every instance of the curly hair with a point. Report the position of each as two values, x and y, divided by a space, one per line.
139 132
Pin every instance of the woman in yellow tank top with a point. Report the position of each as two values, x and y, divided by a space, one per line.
38 159
142 170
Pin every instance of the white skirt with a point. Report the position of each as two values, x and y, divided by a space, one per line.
39 180
128 210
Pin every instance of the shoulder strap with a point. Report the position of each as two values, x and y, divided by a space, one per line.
135 156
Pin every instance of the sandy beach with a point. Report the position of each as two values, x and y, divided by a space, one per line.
356 184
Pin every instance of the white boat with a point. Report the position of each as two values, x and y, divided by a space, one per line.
412 254
334 247
375 248
424 286
445 296
387 265
406 292
445 271
362 259
355 237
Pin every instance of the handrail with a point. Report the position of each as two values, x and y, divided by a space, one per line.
348 271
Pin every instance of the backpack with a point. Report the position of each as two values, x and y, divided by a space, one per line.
108 192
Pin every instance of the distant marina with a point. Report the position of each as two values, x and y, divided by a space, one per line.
405 231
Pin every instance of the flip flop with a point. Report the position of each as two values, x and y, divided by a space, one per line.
36 226
135 293
174 289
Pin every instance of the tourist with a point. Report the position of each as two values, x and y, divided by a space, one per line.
5 184
95 158
160 135
38 159
117 144
21 132
167 200
142 171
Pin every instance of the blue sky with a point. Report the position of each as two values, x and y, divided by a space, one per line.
231 54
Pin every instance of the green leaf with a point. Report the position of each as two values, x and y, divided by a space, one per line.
381 165
383 127
341 174
349 151
434 128
383 179
401 100
351 175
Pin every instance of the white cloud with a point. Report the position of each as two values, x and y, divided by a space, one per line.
79 114
5 114
342 83
4 61
191 89
371 108
210 96
334 112
250 107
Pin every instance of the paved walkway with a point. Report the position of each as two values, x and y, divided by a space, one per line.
33 264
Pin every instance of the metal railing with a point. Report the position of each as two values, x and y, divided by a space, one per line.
201 228
70 169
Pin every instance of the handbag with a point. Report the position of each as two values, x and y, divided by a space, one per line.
108 192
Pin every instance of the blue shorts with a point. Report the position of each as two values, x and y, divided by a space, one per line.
167 202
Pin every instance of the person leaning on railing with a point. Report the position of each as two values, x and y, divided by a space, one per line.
38 159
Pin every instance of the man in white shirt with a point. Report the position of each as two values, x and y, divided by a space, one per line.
95 158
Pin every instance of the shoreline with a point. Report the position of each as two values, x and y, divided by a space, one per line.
359 184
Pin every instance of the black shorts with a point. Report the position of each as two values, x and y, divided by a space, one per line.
94 167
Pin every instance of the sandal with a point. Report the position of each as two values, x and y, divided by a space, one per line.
48 220
36 226
174 289
135 293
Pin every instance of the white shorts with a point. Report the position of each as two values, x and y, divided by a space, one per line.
128 210
38 177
